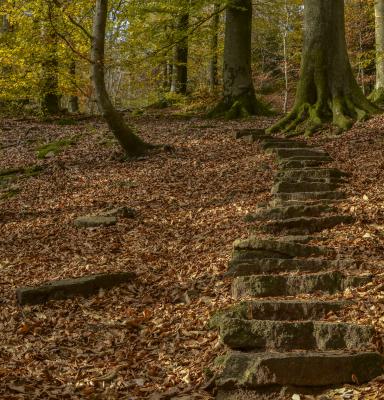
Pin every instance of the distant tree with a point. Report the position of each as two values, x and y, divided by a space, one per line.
327 90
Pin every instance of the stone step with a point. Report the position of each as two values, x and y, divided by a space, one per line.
311 173
93 221
270 145
239 267
301 369
253 247
288 212
249 132
307 153
310 196
302 163
66 288
306 225
294 187
291 285
281 310
263 335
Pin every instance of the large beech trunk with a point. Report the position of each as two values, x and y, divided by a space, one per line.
132 144
180 57
377 95
239 94
327 90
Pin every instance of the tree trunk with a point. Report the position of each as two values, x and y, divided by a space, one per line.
180 57
73 105
132 144
213 70
49 83
327 90
239 98
377 95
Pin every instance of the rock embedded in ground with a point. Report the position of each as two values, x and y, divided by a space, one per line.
67 288
262 335
302 369
291 285
92 221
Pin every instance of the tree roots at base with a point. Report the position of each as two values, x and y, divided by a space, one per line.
239 107
306 118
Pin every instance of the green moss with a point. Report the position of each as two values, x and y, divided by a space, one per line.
54 147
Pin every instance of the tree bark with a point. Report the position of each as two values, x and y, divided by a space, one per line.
73 105
377 96
213 67
327 90
49 83
131 143
180 57
239 99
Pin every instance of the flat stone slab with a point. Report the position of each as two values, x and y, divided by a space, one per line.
288 212
67 288
277 265
122 212
291 285
305 225
253 247
293 187
93 221
263 335
314 369
310 196
281 310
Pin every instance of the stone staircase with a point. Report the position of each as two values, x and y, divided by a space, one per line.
278 337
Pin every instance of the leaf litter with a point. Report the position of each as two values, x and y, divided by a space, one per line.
149 339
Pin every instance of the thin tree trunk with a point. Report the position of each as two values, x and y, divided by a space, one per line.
327 90
377 95
73 100
180 57
285 51
132 144
49 83
213 68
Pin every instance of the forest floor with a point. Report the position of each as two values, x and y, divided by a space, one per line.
149 339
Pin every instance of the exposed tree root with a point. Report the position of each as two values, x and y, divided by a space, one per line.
342 112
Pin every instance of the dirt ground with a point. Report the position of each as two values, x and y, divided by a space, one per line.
149 339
